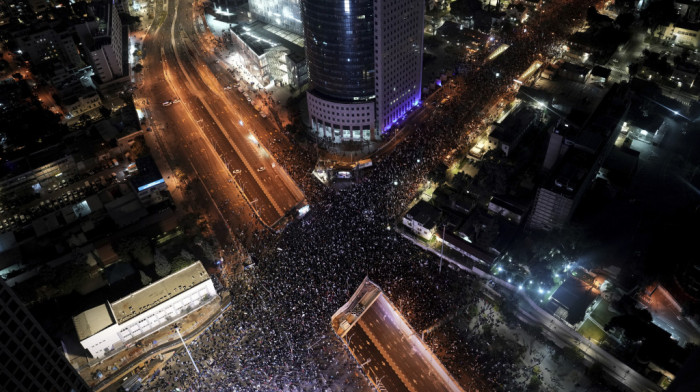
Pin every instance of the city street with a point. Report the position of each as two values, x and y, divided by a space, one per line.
282 307
202 125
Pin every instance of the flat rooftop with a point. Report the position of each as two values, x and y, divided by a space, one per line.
92 321
392 354
570 172
156 293
261 37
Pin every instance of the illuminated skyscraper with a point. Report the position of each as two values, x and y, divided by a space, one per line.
284 14
365 61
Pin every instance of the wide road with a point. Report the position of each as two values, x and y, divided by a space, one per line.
206 127
557 331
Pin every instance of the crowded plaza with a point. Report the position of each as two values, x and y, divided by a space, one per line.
276 335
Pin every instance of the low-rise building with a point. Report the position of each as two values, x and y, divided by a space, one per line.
466 249
148 183
600 74
683 34
37 171
689 10
510 131
685 74
271 54
570 301
422 219
84 102
575 72
509 209
109 327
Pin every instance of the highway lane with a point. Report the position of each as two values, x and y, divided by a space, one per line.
194 96
235 131
275 183
216 76
372 361
203 130
184 143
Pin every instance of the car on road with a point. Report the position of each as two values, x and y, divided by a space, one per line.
261 168
167 103
237 171
249 100
227 88
263 115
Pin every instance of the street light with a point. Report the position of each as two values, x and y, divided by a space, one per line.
187 349
442 248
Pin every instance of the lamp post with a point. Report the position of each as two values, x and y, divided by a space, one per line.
442 247
187 349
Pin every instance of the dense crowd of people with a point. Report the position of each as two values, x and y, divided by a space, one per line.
277 334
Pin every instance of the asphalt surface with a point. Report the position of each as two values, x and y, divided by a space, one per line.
558 332
209 127
391 353
374 363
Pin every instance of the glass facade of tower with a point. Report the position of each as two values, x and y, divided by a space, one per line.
339 38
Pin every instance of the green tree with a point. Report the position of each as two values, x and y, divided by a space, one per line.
187 255
180 175
163 267
534 384
191 224
571 354
180 262
145 279
135 247
70 275
139 148
209 250
144 254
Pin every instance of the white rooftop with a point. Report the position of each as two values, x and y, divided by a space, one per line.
92 321
156 293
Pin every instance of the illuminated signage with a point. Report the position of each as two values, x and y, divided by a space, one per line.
150 184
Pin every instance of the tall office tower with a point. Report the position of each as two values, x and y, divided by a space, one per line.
103 38
30 360
573 159
284 14
365 60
